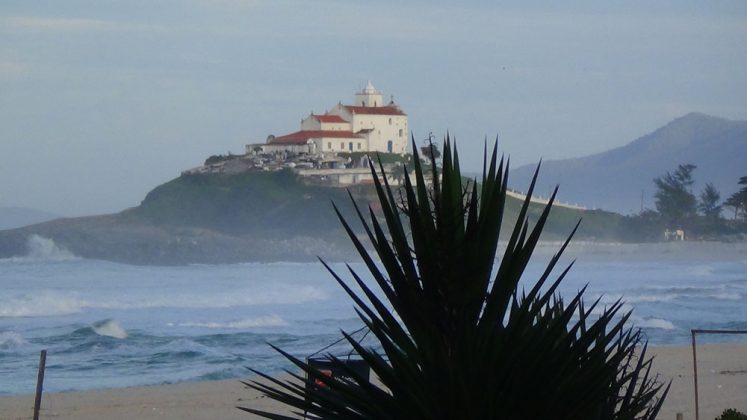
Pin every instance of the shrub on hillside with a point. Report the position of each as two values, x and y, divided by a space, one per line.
732 414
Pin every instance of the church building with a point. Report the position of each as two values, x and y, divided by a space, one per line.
369 125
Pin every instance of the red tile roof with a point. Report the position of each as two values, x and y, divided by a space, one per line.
375 110
330 118
302 137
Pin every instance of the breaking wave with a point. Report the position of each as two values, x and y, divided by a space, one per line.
10 340
661 324
109 328
40 249
57 303
40 304
263 321
44 249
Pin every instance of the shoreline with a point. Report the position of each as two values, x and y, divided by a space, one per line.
722 377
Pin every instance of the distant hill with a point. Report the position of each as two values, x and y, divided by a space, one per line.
13 217
614 180
253 216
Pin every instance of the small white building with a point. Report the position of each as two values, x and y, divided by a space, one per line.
367 126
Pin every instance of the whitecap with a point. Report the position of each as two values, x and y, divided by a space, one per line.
10 340
44 303
726 296
651 298
656 323
258 322
109 328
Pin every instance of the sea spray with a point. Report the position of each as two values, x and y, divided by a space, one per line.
45 249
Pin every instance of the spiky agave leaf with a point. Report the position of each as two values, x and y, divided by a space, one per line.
459 337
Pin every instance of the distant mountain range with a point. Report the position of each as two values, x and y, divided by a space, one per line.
13 217
617 179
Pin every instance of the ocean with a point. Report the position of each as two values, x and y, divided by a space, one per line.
109 325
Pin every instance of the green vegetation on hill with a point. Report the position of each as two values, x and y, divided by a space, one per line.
250 203
253 216
278 203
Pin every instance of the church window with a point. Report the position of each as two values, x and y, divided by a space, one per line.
390 121
359 146
342 145
400 132
329 145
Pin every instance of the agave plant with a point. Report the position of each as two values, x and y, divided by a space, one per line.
458 337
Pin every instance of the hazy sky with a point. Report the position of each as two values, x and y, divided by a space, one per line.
102 100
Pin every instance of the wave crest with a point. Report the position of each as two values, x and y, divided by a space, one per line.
11 340
657 323
45 303
258 322
109 328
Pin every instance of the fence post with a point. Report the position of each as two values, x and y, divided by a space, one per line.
40 383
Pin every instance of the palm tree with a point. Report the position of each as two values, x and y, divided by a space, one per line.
458 337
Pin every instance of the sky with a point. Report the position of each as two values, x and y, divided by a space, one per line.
102 100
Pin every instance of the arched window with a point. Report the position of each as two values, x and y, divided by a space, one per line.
390 121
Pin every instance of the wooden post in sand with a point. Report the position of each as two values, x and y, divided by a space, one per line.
40 383
695 376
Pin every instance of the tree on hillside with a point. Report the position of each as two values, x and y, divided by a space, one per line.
738 200
430 150
708 204
674 199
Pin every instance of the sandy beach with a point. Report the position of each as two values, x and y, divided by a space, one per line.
722 372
